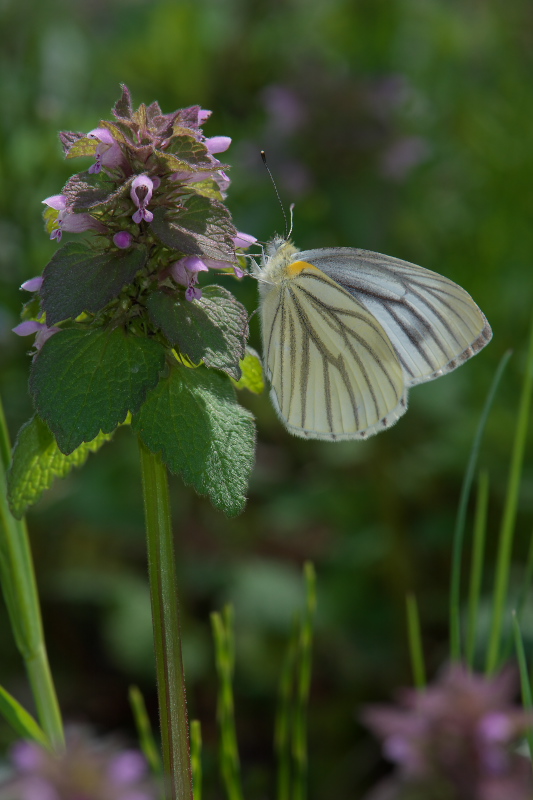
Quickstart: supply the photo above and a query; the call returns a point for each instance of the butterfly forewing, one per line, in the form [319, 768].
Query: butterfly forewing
[433, 324]
[333, 370]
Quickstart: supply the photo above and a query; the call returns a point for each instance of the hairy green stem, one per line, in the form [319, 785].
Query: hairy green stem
[19, 587]
[167, 636]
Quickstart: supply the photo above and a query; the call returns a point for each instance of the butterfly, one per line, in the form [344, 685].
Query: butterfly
[347, 332]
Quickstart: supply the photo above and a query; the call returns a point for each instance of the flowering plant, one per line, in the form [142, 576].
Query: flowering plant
[125, 335]
[120, 318]
[455, 739]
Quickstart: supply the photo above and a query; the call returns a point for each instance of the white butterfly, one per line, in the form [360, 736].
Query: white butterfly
[346, 332]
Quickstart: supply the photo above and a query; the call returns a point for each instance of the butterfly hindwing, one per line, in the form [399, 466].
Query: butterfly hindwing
[433, 324]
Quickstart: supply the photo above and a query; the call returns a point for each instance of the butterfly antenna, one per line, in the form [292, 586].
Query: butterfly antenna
[291, 211]
[287, 233]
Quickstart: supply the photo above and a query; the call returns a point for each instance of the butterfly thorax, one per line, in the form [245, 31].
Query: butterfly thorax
[279, 253]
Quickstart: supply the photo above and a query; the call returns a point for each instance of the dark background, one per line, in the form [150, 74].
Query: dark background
[402, 126]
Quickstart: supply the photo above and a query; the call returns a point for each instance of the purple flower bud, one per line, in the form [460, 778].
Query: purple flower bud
[141, 194]
[33, 285]
[108, 152]
[122, 239]
[57, 201]
[244, 240]
[217, 144]
[239, 273]
[203, 115]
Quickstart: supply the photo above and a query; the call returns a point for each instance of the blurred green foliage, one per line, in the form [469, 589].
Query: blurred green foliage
[402, 126]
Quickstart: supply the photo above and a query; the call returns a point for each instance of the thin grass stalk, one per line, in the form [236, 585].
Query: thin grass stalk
[144, 731]
[524, 677]
[303, 683]
[503, 561]
[19, 587]
[476, 567]
[458, 538]
[222, 625]
[283, 725]
[415, 642]
[521, 600]
[196, 758]
[166, 627]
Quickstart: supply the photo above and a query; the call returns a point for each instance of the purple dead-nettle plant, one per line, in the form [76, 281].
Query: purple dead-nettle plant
[88, 768]
[124, 333]
[455, 740]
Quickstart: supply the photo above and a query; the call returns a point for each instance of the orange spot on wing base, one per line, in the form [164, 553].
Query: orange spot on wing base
[296, 267]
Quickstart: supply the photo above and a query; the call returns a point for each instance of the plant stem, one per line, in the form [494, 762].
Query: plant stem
[167, 636]
[19, 586]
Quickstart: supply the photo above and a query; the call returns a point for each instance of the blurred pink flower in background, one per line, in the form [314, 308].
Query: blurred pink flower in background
[456, 740]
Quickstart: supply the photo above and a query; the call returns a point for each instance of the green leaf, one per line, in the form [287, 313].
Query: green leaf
[85, 192]
[77, 279]
[188, 149]
[85, 146]
[193, 419]
[123, 107]
[207, 188]
[37, 462]
[19, 719]
[84, 382]
[202, 227]
[213, 330]
[252, 377]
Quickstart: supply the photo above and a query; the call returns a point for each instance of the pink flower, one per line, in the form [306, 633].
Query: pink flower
[217, 144]
[141, 194]
[40, 328]
[459, 733]
[108, 152]
[185, 271]
[89, 769]
[68, 221]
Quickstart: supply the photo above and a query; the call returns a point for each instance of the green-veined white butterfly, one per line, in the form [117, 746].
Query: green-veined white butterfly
[346, 332]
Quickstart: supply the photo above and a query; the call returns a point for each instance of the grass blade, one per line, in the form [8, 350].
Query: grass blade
[144, 730]
[283, 727]
[196, 758]
[303, 683]
[455, 588]
[20, 720]
[524, 677]
[476, 569]
[415, 642]
[503, 561]
[222, 625]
